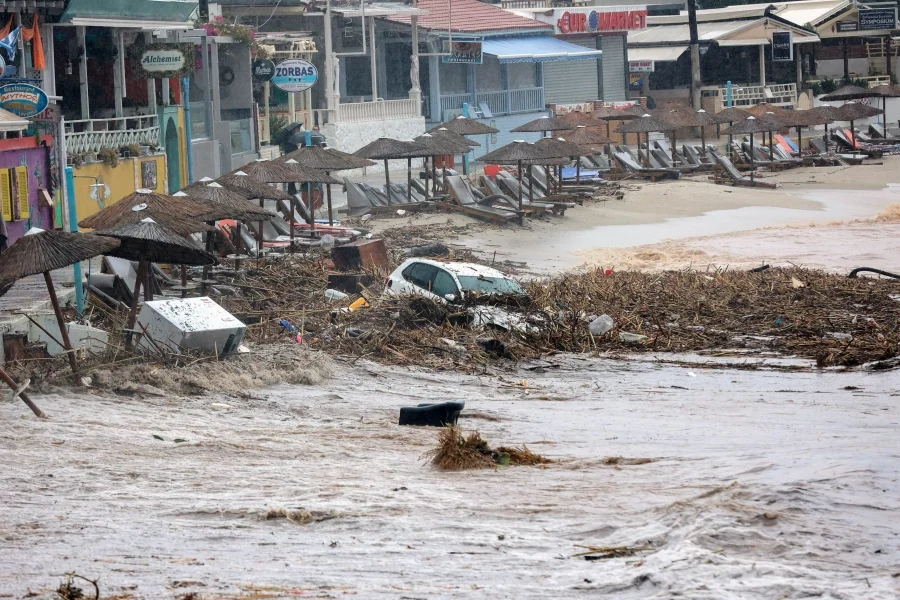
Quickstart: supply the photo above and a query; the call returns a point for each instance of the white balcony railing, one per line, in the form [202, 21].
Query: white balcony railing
[750, 95]
[92, 135]
[379, 110]
[504, 102]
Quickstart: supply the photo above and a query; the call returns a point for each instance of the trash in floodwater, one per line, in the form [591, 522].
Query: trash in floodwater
[456, 452]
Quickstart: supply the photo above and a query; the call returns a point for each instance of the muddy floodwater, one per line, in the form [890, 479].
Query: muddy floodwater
[721, 482]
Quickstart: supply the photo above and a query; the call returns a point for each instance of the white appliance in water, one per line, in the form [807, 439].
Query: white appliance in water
[189, 324]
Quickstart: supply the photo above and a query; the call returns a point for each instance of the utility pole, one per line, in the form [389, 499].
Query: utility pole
[695, 54]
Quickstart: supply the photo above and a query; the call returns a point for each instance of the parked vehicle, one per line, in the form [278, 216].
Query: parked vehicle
[453, 282]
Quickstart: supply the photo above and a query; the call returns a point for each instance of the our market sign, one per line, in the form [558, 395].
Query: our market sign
[463, 52]
[23, 99]
[590, 20]
[295, 75]
[163, 61]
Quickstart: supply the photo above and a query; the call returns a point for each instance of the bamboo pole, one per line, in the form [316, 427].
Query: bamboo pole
[132, 312]
[20, 392]
[64, 332]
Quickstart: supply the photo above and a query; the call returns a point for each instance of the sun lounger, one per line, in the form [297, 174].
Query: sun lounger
[663, 146]
[557, 203]
[666, 163]
[846, 140]
[731, 176]
[464, 202]
[697, 160]
[631, 166]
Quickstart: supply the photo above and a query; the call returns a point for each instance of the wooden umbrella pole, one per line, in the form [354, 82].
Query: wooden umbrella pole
[387, 179]
[521, 212]
[328, 198]
[771, 154]
[67, 344]
[751, 157]
[409, 180]
[206, 268]
[826, 138]
[148, 293]
[530, 184]
[311, 207]
[703, 139]
[184, 281]
[647, 153]
[132, 312]
[293, 221]
[444, 173]
[800, 141]
[262, 243]
[577, 170]
[15, 388]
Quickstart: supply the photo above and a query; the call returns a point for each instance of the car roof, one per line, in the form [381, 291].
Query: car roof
[463, 269]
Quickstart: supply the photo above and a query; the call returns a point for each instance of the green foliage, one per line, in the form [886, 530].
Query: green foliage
[276, 124]
[109, 156]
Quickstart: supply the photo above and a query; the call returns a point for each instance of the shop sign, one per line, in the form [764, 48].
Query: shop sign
[877, 18]
[640, 66]
[263, 69]
[23, 99]
[162, 61]
[847, 26]
[463, 52]
[593, 21]
[782, 46]
[295, 75]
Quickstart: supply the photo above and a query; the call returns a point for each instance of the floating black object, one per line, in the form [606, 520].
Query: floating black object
[431, 415]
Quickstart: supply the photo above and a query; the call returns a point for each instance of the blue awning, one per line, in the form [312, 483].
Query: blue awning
[536, 49]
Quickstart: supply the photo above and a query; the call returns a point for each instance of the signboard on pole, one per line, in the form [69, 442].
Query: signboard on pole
[847, 26]
[640, 66]
[462, 52]
[871, 19]
[782, 46]
[295, 75]
[263, 69]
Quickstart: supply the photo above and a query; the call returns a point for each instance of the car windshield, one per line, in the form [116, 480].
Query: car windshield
[490, 285]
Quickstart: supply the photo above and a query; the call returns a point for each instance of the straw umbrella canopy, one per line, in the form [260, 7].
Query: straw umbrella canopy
[764, 108]
[147, 242]
[701, 119]
[443, 131]
[517, 152]
[646, 124]
[801, 119]
[609, 114]
[40, 251]
[357, 162]
[465, 126]
[752, 125]
[433, 145]
[247, 186]
[178, 213]
[589, 140]
[312, 176]
[236, 205]
[850, 92]
[731, 115]
[320, 159]
[273, 171]
[886, 91]
[853, 111]
[386, 149]
[544, 124]
[576, 117]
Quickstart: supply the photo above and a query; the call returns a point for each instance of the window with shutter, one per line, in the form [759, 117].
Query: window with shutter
[6, 194]
[22, 189]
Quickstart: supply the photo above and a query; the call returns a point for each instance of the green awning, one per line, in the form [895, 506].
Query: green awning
[128, 13]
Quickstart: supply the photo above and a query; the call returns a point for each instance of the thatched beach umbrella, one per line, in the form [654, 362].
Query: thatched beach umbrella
[312, 176]
[731, 116]
[753, 125]
[701, 119]
[433, 145]
[822, 115]
[543, 124]
[849, 92]
[646, 124]
[147, 242]
[556, 147]
[465, 126]
[585, 137]
[324, 161]
[885, 91]
[247, 186]
[178, 213]
[387, 149]
[853, 111]
[801, 119]
[517, 152]
[576, 117]
[40, 251]
[610, 114]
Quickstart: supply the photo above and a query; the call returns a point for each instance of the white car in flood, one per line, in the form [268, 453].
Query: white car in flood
[449, 282]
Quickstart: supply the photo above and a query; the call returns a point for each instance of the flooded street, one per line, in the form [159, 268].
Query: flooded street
[724, 483]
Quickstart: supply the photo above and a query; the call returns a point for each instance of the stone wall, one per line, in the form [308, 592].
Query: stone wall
[350, 137]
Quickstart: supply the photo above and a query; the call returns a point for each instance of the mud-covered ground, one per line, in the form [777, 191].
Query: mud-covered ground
[731, 484]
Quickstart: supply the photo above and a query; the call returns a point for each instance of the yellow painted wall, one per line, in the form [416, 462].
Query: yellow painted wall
[121, 181]
[184, 140]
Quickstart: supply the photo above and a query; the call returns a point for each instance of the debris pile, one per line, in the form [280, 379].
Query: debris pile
[457, 452]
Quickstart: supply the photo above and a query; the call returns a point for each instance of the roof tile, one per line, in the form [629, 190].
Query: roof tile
[471, 16]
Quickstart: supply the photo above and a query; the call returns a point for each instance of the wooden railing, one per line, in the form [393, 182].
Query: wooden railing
[377, 111]
[92, 135]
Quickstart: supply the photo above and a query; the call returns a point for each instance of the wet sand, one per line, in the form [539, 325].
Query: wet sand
[733, 484]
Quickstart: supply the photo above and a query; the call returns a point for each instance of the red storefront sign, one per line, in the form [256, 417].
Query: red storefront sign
[594, 21]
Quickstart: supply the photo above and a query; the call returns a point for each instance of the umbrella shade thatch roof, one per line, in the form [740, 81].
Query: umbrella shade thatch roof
[675, 113]
[646, 124]
[358, 162]
[309, 175]
[436, 145]
[250, 188]
[821, 115]
[543, 124]
[731, 115]
[271, 171]
[585, 136]
[886, 91]
[178, 213]
[764, 109]
[559, 147]
[700, 118]
[153, 242]
[576, 117]
[319, 158]
[753, 125]
[443, 131]
[849, 92]
[387, 148]
[38, 251]
[853, 111]
[609, 113]
[234, 204]
[465, 126]
[516, 151]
